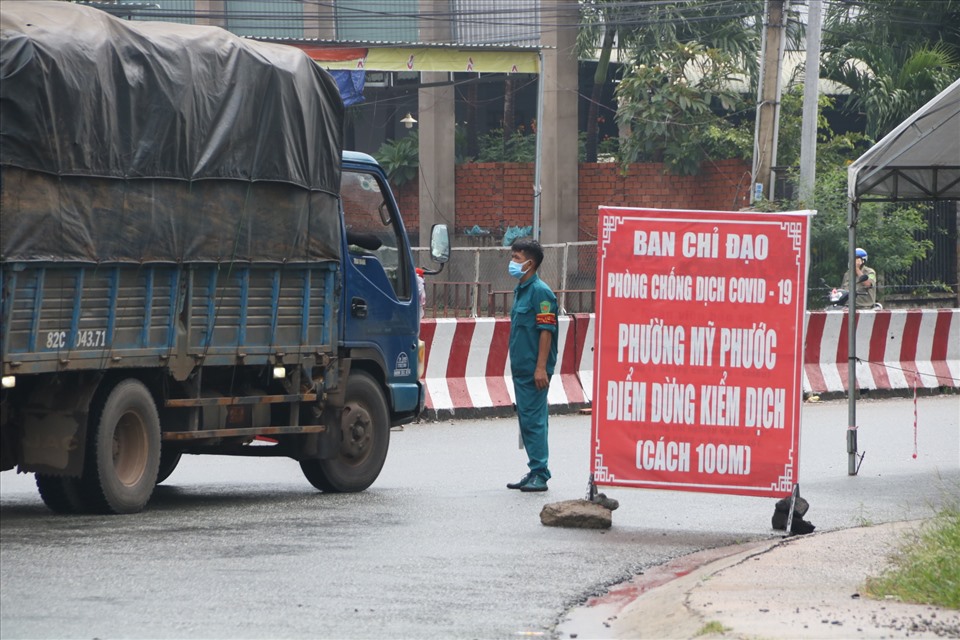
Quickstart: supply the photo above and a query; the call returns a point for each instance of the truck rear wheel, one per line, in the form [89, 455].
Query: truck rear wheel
[123, 454]
[61, 495]
[365, 424]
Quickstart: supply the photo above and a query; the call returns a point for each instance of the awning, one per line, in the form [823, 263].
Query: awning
[423, 59]
[919, 160]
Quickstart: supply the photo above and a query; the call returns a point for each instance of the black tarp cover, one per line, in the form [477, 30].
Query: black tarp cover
[148, 141]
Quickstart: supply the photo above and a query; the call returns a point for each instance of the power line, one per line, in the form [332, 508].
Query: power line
[627, 14]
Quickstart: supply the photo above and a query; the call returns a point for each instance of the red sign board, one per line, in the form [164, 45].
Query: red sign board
[699, 350]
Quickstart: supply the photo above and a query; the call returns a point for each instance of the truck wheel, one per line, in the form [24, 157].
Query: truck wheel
[366, 436]
[123, 454]
[169, 459]
[61, 495]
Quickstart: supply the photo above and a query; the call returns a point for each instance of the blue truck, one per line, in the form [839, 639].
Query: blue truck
[190, 263]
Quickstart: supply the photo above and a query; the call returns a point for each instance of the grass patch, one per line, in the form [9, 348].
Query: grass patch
[861, 519]
[712, 627]
[928, 571]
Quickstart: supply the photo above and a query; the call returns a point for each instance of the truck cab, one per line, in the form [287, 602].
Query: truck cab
[381, 309]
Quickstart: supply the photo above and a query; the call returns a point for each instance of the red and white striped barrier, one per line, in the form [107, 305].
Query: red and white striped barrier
[468, 365]
[468, 368]
[895, 350]
[586, 326]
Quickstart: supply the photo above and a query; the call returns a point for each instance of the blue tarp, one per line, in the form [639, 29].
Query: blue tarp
[515, 233]
[350, 84]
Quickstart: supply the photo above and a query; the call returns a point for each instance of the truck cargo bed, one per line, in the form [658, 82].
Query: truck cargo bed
[59, 317]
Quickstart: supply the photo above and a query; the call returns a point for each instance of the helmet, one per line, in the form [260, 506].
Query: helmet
[861, 254]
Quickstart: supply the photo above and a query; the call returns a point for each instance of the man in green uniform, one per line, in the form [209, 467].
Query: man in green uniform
[533, 356]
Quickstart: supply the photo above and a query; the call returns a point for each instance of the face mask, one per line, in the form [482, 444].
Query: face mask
[516, 269]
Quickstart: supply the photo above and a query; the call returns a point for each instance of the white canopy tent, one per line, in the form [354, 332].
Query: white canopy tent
[918, 160]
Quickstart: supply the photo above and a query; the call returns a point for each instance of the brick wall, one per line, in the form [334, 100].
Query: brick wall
[722, 185]
[498, 195]
[408, 199]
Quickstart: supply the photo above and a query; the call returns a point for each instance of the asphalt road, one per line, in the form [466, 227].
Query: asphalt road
[437, 548]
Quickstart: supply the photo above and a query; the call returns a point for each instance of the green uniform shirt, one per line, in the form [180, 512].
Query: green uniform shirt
[534, 309]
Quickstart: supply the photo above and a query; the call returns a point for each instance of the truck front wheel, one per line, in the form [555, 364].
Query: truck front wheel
[123, 454]
[365, 426]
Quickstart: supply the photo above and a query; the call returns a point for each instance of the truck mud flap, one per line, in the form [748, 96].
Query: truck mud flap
[53, 427]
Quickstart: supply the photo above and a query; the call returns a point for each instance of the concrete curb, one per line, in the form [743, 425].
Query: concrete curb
[798, 587]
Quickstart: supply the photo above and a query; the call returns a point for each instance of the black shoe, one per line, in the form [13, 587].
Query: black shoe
[535, 483]
[519, 483]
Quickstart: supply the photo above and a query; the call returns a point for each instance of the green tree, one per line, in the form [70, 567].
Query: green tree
[894, 56]
[888, 231]
[887, 85]
[892, 24]
[400, 158]
[517, 147]
[671, 103]
[832, 149]
[733, 28]
[646, 32]
[599, 19]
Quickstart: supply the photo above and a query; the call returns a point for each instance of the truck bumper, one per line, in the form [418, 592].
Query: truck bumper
[408, 397]
[406, 412]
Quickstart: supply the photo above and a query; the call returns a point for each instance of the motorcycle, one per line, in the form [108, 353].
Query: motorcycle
[837, 299]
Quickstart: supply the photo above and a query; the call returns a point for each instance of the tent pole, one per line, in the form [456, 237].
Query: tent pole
[537, 190]
[853, 212]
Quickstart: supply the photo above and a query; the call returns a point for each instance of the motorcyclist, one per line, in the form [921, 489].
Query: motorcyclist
[866, 282]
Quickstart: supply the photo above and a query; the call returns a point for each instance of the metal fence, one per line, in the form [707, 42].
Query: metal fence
[941, 231]
[475, 282]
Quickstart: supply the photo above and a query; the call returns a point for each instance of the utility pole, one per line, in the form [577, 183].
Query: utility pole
[211, 12]
[437, 123]
[811, 97]
[556, 190]
[768, 99]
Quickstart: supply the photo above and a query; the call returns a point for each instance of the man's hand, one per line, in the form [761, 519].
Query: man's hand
[540, 378]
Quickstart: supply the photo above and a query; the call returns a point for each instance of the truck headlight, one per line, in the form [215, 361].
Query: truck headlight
[8, 382]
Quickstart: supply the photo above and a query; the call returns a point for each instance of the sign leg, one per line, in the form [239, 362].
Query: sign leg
[793, 501]
[591, 488]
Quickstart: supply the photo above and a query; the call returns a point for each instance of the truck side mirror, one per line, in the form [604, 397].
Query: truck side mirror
[439, 243]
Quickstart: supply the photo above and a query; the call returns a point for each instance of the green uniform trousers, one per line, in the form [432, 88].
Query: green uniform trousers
[532, 414]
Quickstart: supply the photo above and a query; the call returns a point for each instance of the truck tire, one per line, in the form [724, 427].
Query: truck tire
[61, 495]
[366, 437]
[123, 453]
[169, 459]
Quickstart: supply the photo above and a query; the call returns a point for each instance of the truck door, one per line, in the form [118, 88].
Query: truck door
[380, 302]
